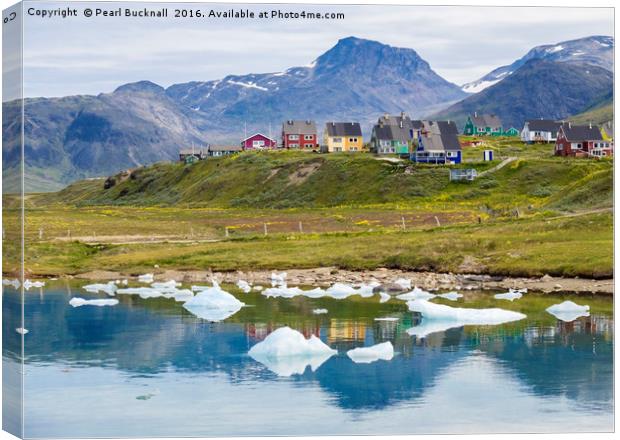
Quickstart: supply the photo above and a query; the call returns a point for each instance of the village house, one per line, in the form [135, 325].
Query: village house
[191, 155]
[394, 134]
[258, 141]
[223, 150]
[581, 141]
[299, 134]
[607, 131]
[437, 143]
[540, 130]
[512, 131]
[343, 136]
[483, 125]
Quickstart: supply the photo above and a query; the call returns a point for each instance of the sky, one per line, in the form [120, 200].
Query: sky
[79, 55]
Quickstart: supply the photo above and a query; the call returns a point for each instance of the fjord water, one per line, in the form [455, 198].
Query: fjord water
[148, 367]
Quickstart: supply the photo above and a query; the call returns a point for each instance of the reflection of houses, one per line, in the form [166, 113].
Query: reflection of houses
[437, 143]
[394, 134]
[299, 134]
[343, 136]
[346, 330]
[540, 130]
[260, 330]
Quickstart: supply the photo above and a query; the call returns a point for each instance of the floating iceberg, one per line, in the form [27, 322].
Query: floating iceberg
[320, 311]
[387, 318]
[143, 292]
[258, 288]
[314, 293]
[109, 288]
[180, 295]
[384, 297]
[366, 355]
[28, 284]
[213, 304]
[404, 283]
[21, 331]
[167, 286]
[287, 352]
[568, 311]
[511, 295]
[282, 291]
[78, 302]
[452, 296]
[146, 278]
[278, 278]
[416, 293]
[14, 283]
[244, 286]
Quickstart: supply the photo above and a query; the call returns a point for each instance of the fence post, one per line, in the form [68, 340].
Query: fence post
[226, 229]
[40, 233]
[301, 228]
[437, 220]
[403, 220]
[265, 228]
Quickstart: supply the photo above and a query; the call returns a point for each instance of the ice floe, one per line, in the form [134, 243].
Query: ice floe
[366, 355]
[258, 288]
[143, 292]
[168, 286]
[278, 278]
[146, 278]
[387, 318]
[511, 295]
[244, 286]
[28, 284]
[568, 311]
[320, 311]
[451, 296]
[439, 317]
[282, 291]
[213, 304]
[404, 283]
[21, 331]
[78, 302]
[14, 283]
[286, 352]
[108, 288]
[416, 293]
[180, 295]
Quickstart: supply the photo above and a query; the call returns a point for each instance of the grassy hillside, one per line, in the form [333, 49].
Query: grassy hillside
[599, 115]
[302, 180]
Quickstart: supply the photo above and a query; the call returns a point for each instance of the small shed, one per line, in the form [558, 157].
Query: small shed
[488, 155]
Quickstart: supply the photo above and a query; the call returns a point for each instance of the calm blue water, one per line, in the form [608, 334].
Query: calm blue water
[150, 368]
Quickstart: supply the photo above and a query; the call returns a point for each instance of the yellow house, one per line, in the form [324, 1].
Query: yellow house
[343, 136]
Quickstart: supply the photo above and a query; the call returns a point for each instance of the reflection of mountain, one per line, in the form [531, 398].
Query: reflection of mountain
[155, 335]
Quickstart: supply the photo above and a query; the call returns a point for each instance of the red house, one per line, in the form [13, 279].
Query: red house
[581, 141]
[258, 141]
[299, 134]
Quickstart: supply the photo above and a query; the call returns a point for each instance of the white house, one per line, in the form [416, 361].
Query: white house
[540, 130]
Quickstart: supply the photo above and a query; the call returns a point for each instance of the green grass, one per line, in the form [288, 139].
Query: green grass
[565, 246]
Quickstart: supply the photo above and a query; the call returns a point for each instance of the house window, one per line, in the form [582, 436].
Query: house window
[337, 149]
[293, 137]
[452, 154]
[352, 139]
[256, 144]
[308, 137]
[337, 140]
[294, 145]
[308, 145]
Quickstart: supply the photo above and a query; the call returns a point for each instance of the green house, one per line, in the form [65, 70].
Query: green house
[483, 125]
[512, 132]
[394, 134]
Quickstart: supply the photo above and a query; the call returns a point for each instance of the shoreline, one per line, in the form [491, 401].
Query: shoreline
[325, 276]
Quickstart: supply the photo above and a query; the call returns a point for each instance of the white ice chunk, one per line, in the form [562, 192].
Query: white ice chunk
[14, 283]
[387, 318]
[258, 288]
[180, 295]
[314, 293]
[568, 311]
[319, 311]
[427, 327]
[511, 295]
[21, 331]
[287, 352]
[143, 292]
[244, 286]
[78, 302]
[282, 292]
[278, 277]
[403, 282]
[109, 288]
[146, 278]
[168, 286]
[440, 312]
[28, 284]
[416, 293]
[124, 282]
[213, 304]
[384, 297]
[452, 296]
[366, 355]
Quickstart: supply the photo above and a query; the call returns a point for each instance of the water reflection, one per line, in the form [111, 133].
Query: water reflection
[154, 348]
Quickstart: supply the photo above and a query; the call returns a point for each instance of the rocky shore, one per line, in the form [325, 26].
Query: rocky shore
[326, 276]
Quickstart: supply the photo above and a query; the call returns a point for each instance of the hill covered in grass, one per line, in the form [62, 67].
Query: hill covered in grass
[303, 180]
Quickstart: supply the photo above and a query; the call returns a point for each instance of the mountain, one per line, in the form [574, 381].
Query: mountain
[598, 113]
[538, 89]
[141, 123]
[355, 80]
[595, 50]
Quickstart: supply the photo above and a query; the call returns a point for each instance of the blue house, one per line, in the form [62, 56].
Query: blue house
[437, 143]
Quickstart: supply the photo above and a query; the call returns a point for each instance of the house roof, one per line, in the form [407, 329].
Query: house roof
[343, 129]
[396, 120]
[487, 120]
[298, 127]
[544, 125]
[193, 151]
[225, 148]
[392, 132]
[258, 134]
[574, 132]
[440, 135]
